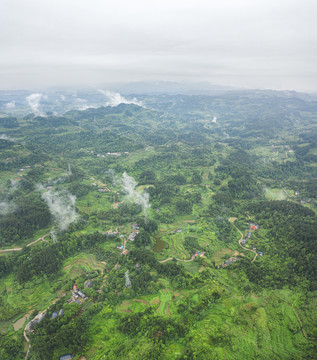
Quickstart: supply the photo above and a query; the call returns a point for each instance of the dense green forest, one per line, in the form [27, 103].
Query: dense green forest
[184, 229]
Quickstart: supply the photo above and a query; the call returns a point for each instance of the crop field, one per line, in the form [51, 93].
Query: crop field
[18, 302]
[219, 256]
[81, 264]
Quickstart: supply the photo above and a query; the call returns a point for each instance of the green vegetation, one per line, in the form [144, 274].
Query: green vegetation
[169, 201]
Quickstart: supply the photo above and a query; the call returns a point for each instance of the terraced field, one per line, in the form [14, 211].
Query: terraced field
[81, 264]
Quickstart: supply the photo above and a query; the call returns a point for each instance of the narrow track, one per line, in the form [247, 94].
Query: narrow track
[30, 244]
[240, 241]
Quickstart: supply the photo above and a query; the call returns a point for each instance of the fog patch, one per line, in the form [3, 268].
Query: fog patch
[62, 207]
[34, 101]
[10, 105]
[114, 99]
[6, 207]
[5, 137]
[138, 197]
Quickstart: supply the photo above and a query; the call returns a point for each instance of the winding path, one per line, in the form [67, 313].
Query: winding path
[240, 241]
[163, 261]
[30, 244]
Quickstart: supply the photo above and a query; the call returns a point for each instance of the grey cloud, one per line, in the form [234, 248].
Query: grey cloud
[243, 43]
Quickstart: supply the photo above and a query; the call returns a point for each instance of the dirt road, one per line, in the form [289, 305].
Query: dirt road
[30, 244]
[240, 241]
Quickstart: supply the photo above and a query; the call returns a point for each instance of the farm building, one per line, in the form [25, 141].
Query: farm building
[66, 357]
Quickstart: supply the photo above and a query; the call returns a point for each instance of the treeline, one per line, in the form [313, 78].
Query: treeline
[66, 333]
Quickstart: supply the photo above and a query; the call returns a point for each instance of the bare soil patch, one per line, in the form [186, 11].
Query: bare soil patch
[141, 301]
[168, 310]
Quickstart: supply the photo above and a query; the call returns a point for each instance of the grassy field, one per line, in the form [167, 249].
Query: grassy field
[275, 194]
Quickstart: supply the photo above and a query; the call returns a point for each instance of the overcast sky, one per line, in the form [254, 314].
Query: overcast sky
[244, 43]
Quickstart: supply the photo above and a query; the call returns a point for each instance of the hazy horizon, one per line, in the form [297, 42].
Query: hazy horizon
[76, 44]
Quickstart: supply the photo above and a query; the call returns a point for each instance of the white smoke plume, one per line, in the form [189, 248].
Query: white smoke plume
[114, 99]
[6, 207]
[5, 137]
[10, 105]
[214, 120]
[62, 206]
[34, 101]
[137, 197]
[53, 236]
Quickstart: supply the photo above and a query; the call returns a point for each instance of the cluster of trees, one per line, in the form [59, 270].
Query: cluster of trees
[292, 245]
[66, 333]
[153, 326]
[29, 213]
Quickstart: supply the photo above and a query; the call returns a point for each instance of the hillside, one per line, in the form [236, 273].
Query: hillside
[188, 224]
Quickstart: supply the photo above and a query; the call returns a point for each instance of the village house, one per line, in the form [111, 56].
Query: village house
[38, 318]
[54, 315]
[132, 235]
[66, 357]
[135, 227]
[229, 261]
[78, 296]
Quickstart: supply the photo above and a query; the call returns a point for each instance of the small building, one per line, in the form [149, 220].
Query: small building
[88, 284]
[81, 294]
[54, 315]
[125, 252]
[135, 227]
[249, 234]
[66, 357]
[137, 266]
[61, 312]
